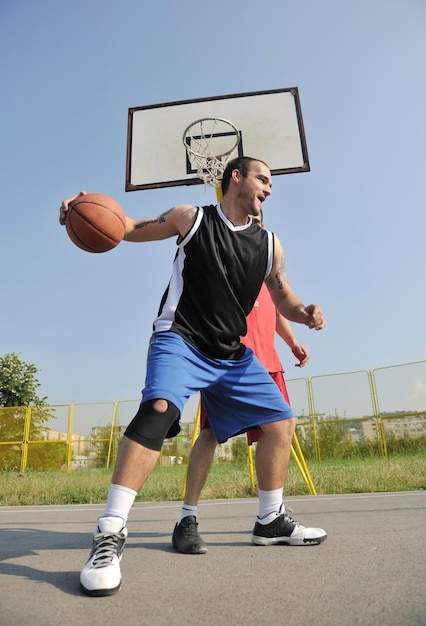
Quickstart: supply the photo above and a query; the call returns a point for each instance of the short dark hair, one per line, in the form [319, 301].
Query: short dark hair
[242, 164]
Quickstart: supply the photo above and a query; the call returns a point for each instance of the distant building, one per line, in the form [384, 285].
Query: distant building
[80, 444]
[223, 451]
[83, 462]
[400, 425]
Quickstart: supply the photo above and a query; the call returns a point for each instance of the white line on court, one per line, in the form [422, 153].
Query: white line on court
[178, 504]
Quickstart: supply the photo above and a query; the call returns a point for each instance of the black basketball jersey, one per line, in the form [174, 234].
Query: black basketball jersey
[217, 274]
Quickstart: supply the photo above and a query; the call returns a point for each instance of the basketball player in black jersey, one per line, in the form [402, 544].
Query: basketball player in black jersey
[221, 262]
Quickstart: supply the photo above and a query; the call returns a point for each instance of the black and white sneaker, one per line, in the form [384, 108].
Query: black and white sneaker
[186, 538]
[101, 575]
[284, 529]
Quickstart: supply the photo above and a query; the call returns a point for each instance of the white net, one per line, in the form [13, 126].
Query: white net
[210, 143]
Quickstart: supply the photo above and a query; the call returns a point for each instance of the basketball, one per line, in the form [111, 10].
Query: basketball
[95, 222]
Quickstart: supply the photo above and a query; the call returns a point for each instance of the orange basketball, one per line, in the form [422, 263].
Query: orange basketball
[95, 222]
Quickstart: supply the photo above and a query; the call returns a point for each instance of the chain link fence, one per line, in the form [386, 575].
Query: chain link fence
[362, 413]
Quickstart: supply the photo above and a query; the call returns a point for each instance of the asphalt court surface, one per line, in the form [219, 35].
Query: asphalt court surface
[371, 570]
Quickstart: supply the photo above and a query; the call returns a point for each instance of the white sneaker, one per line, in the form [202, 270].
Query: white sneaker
[101, 575]
[284, 529]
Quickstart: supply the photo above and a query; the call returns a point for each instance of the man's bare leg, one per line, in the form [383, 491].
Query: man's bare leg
[185, 535]
[273, 453]
[134, 464]
[199, 464]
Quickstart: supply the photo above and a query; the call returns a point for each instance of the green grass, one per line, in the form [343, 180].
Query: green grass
[226, 480]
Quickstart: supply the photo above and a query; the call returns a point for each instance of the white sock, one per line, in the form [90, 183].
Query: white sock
[187, 510]
[119, 502]
[270, 502]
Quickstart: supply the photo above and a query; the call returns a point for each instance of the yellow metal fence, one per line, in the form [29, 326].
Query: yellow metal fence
[367, 410]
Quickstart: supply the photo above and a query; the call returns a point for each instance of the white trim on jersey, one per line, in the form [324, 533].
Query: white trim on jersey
[270, 252]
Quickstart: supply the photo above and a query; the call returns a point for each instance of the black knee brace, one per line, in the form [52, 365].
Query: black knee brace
[150, 427]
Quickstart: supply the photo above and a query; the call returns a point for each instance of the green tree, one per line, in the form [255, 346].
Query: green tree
[333, 437]
[18, 390]
[103, 437]
[336, 441]
[239, 450]
[18, 383]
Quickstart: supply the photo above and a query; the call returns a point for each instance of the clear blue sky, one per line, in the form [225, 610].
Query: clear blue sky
[353, 228]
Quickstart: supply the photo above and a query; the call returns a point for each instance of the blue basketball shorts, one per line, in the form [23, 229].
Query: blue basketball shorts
[237, 394]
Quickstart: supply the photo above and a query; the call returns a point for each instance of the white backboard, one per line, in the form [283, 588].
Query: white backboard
[270, 124]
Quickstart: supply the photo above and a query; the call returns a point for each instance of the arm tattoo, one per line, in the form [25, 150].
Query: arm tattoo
[281, 278]
[157, 220]
[278, 280]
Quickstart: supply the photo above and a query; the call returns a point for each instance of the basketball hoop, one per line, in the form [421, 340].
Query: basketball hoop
[209, 143]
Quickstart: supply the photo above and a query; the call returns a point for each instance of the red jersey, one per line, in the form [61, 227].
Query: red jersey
[260, 337]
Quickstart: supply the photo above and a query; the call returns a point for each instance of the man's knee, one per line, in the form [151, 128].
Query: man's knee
[154, 420]
[160, 405]
[280, 429]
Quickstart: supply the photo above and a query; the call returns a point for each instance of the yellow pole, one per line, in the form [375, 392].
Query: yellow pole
[304, 468]
[193, 440]
[111, 434]
[25, 439]
[251, 466]
[312, 414]
[69, 436]
[380, 431]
